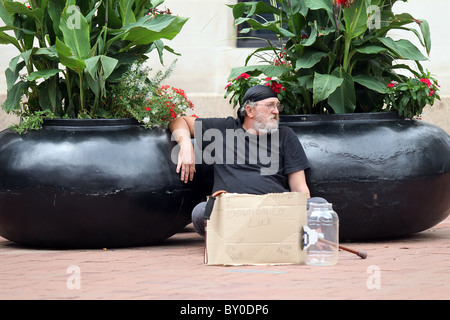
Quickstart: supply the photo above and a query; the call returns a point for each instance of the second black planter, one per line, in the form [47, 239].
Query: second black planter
[386, 176]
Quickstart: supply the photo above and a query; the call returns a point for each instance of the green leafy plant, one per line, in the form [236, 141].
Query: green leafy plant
[72, 51]
[334, 56]
[410, 97]
[31, 121]
[146, 99]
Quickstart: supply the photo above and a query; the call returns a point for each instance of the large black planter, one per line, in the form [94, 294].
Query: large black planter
[110, 183]
[90, 184]
[386, 176]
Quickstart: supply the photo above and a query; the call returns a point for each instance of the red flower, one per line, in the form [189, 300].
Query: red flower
[344, 3]
[243, 75]
[426, 81]
[173, 114]
[276, 87]
[147, 109]
[392, 84]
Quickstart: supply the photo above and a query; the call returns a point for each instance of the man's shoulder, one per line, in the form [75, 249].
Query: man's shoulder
[228, 122]
[224, 119]
[286, 131]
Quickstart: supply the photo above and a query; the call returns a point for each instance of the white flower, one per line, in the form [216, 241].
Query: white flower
[146, 120]
[149, 96]
[139, 84]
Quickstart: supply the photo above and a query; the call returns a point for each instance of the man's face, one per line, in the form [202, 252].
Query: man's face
[266, 118]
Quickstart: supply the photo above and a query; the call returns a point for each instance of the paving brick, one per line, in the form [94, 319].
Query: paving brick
[413, 267]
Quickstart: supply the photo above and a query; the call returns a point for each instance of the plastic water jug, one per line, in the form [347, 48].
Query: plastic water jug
[321, 235]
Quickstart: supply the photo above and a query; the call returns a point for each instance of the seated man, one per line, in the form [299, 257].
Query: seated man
[250, 154]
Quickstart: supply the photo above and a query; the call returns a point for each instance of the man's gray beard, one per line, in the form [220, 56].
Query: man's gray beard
[265, 126]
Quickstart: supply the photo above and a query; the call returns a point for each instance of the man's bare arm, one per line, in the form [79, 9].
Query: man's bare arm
[297, 182]
[183, 130]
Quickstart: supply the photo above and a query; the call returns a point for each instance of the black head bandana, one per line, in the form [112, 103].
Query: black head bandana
[258, 93]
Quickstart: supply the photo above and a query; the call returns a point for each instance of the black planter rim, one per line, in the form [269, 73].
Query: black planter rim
[89, 123]
[372, 116]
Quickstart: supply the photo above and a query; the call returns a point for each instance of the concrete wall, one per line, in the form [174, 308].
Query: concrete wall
[208, 53]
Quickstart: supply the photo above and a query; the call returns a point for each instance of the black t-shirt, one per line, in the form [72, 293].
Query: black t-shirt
[247, 163]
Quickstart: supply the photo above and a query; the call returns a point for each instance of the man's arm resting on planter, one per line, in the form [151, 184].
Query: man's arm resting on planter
[297, 182]
[182, 131]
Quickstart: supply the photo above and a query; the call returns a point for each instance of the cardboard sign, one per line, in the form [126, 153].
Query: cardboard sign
[249, 229]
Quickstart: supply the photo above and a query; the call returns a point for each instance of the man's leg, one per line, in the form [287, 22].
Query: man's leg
[198, 218]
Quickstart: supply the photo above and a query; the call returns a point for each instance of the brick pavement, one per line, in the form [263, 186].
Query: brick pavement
[414, 267]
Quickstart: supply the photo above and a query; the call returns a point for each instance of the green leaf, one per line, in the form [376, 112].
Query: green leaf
[16, 7]
[296, 7]
[371, 83]
[55, 9]
[268, 70]
[403, 49]
[309, 59]
[93, 12]
[425, 28]
[126, 12]
[100, 65]
[253, 8]
[50, 97]
[371, 49]
[311, 37]
[6, 17]
[46, 73]
[12, 73]
[67, 58]
[50, 53]
[407, 67]
[271, 26]
[75, 30]
[355, 18]
[324, 85]
[7, 39]
[156, 3]
[148, 29]
[14, 97]
[320, 4]
[98, 69]
[343, 99]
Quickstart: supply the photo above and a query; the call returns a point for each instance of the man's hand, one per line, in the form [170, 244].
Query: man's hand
[186, 162]
[182, 131]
